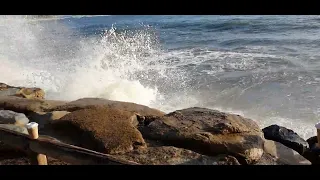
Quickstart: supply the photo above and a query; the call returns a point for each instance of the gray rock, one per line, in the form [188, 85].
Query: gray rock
[11, 117]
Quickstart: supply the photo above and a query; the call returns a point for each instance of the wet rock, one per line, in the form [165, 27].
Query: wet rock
[208, 132]
[11, 117]
[169, 155]
[286, 137]
[101, 129]
[284, 155]
[126, 106]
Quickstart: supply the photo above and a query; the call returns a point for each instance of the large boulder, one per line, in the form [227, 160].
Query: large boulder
[24, 92]
[284, 155]
[169, 155]
[101, 129]
[286, 137]
[208, 132]
[27, 106]
[126, 106]
[11, 117]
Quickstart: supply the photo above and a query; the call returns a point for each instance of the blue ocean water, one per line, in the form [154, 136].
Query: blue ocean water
[263, 67]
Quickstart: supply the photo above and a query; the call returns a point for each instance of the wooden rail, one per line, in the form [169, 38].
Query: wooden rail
[51, 147]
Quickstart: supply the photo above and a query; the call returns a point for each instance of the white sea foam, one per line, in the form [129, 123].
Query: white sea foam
[102, 67]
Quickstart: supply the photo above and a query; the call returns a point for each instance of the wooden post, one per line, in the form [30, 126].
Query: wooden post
[39, 159]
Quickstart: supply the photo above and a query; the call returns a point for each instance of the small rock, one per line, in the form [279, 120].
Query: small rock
[286, 137]
[10, 117]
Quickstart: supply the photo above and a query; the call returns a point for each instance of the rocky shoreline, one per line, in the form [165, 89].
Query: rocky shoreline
[129, 131]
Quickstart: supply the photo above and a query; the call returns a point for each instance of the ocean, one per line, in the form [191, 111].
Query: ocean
[266, 68]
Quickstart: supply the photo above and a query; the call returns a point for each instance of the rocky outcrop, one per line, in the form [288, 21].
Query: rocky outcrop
[169, 155]
[281, 154]
[24, 92]
[137, 133]
[101, 129]
[10, 117]
[207, 132]
[125, 106]
[286, 137]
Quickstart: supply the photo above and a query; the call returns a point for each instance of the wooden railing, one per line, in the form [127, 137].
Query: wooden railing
[39, 147]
